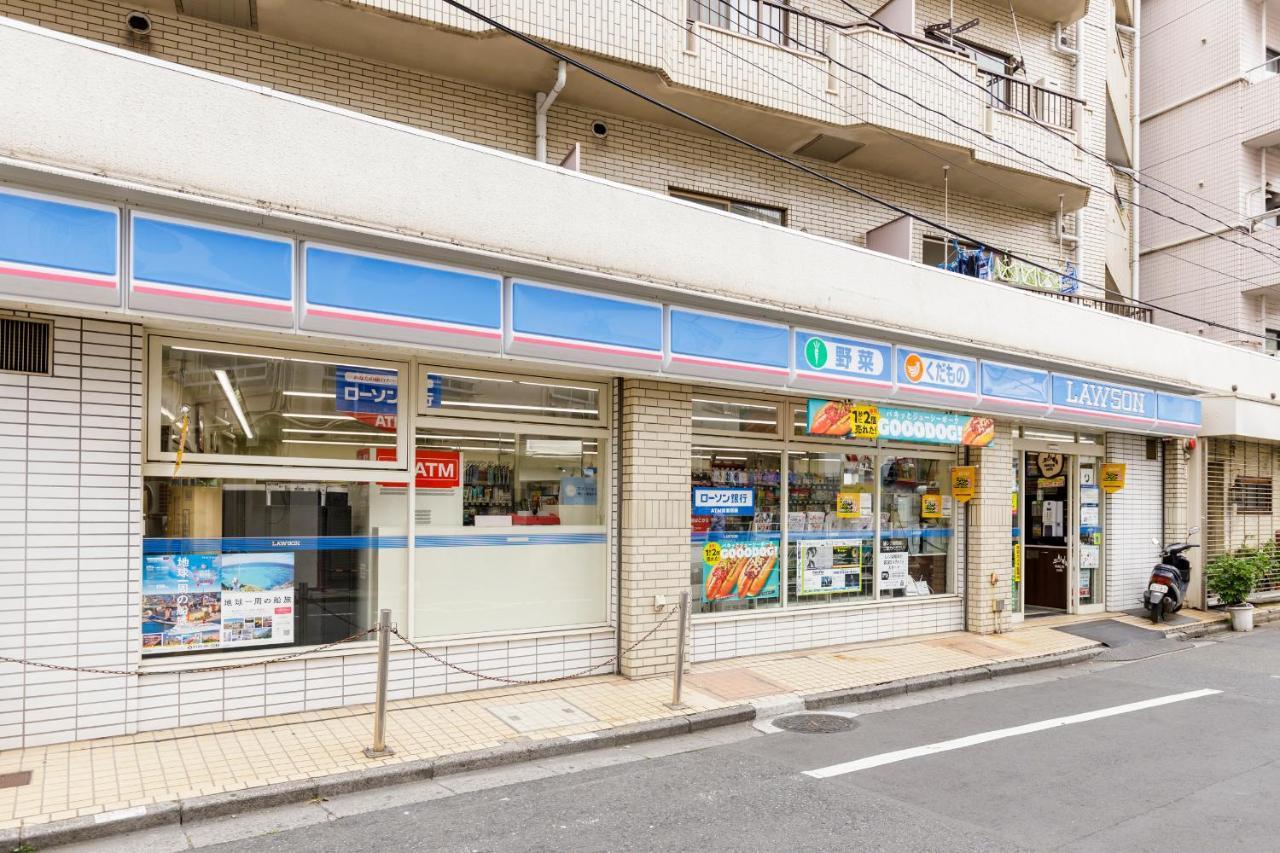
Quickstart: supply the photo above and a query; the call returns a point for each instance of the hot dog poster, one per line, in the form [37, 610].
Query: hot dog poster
[735, 569]
[833, 418]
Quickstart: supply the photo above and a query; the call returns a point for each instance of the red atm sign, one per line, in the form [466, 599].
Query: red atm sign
[438, 469]
[434, 469]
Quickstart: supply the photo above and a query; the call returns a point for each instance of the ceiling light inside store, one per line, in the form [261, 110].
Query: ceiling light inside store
[333, 443]
[472, 378]
[738, 405]
[336, 432]
[516, 406]
[225, 382]
[1048, 436]
[734, 420]
[321, 394]
[421, 436]
[317, 417]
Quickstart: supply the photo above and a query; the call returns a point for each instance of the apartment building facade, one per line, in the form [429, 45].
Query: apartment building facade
[321, 336]
[1210, 142]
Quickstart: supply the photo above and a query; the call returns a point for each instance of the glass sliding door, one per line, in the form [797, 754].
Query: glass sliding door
[1089, 560]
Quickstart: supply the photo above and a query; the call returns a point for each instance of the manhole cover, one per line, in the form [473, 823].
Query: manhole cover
[815, 724]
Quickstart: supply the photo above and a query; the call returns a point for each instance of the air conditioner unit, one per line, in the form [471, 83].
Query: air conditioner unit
[1043, 102]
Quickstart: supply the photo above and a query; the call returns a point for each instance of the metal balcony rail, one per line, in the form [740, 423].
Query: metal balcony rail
[1266, 219]
[1118, 307]
[772, 22]
[1019, 96]
[1265, 71]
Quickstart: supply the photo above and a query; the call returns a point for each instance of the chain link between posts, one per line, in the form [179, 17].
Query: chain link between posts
[504, 680]
[363, 632]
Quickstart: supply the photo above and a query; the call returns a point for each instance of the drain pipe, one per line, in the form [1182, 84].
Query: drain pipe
[1135, 243]
[544, 100]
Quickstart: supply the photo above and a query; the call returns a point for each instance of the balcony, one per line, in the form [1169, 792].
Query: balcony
[1119, 103]
[1261, 104]
[777, 76]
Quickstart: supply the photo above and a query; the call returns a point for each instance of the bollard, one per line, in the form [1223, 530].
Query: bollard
[682, 630]
[380, 748]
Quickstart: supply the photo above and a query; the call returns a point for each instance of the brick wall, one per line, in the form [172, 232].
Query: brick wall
[70, 487]
[656, 157]
[656, 430]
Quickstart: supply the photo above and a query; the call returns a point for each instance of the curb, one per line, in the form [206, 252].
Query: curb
[1261, 616]
[286, 793]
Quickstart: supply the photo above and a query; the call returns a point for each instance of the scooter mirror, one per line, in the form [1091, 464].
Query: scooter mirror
[1155, 541]
[1193, 531]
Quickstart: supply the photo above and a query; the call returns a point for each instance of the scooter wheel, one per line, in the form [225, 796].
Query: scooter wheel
[1157, 610]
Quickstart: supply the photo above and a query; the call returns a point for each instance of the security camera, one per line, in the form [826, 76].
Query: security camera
[139, 23]
[600, 129]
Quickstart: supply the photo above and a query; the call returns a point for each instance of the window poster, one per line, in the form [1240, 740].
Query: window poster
[831, 565]
[893, 564]
[197, 602]
[739, 567]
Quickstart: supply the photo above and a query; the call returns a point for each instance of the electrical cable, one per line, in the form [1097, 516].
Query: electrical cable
[759, 149]
[1134, 175]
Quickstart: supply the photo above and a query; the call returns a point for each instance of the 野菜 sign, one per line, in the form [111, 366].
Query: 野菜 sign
[713, 501]
[829, 360]
[835, 418]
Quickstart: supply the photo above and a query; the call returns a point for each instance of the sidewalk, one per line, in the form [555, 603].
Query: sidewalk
[127, 782]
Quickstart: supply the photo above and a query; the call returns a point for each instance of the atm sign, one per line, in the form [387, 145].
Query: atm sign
[438, 469]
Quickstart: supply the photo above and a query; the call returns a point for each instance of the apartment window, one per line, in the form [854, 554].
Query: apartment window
[1273, 341]
[1253, 495]
[1273, 60]
[751, 210]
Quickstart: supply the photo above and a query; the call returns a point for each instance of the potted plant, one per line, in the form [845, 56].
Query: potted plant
[1232, 577]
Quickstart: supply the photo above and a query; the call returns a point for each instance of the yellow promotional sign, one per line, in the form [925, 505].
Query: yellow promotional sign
[848, 505]
[931, 506]
[1112, 477]
[1052, 482]
[964, 482]
[1017, 564]
[864, 422]
[711, 553]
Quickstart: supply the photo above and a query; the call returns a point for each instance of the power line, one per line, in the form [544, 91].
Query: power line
[1133, 173]
[1191, 11]
[708, 126]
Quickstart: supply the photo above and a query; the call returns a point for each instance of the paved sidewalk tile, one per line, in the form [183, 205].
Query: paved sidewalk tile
[113, 774]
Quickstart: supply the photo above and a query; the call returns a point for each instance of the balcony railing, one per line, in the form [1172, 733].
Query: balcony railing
[1019, 96]
[1265, 71]
[1111, 306]
[768, 21]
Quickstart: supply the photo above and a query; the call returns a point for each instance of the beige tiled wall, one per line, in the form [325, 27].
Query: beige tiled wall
[990, 536]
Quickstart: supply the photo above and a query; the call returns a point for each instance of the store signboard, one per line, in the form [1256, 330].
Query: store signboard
[210, 272]
[194, 602]
[1013, 389]
[576, 325]
[716, 346]
[370, 295]
[934, 376]
[61, 250]
[714, 501]
[367, 390]
[1112, 476]
[832, 363]
[738, 566]
[1102, 402]
[1177, 414]
[437, 469]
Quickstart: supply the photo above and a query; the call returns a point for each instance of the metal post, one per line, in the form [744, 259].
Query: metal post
[380, 748]
[682, 630]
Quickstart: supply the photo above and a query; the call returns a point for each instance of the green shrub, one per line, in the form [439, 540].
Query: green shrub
[1232, 577]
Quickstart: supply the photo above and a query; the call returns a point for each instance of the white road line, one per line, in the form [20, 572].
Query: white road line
[986, 737]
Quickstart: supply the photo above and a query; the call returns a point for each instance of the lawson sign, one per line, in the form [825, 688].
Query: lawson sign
[711, 501]
[1102, 402]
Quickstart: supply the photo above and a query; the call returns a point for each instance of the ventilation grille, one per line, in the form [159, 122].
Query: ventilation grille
[24, 346]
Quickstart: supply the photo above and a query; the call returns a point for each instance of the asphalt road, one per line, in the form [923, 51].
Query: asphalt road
[1198, 773]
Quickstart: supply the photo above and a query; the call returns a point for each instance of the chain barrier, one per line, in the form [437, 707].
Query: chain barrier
[310, 650]
[503, 679]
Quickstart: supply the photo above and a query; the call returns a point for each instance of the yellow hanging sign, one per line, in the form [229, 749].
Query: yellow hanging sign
[848, 505]
[1112, 474]
[182, 444]
[1017, 564]
[711, 554]
[931, 506]
[964, 482]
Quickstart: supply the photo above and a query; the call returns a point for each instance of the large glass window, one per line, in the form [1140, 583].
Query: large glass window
[223, 403]
[831, 526]
[510, 530]
[469, 394]
[233, 564]
[916, 524]
[710, 415]
[735, 532]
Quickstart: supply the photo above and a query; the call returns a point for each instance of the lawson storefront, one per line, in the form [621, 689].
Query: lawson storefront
[325, 428]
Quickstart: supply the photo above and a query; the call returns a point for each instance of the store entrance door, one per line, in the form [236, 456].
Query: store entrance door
[1048, 521]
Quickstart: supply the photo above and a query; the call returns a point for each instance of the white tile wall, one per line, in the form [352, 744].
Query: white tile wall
[783, 631]
[1133, 515]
